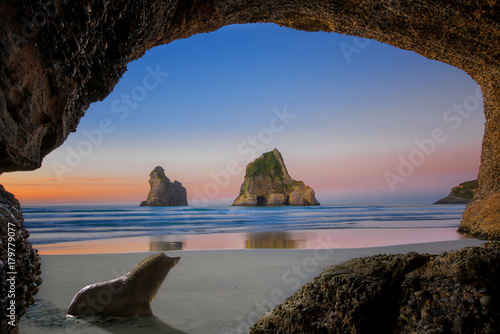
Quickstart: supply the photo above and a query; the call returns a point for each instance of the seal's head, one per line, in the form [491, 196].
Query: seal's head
[151, 272]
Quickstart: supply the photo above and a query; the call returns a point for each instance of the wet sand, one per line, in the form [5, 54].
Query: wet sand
[303, 239]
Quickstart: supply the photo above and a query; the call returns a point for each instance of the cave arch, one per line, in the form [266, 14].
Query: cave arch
[58, 58]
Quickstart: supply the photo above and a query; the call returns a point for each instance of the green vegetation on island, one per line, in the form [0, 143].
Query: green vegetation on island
[266, 163]
[461, 194]
[466, 189]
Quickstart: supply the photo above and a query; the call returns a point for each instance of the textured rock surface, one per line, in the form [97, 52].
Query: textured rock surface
[482, 218]
[455, 292]
[461, 194]
[26, 262]
[163, 192]
[57, 57]
[267, 183]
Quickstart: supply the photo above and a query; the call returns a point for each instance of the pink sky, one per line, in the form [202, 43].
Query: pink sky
[334, 179]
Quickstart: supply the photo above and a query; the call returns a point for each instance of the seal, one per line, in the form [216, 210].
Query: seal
[126, 296]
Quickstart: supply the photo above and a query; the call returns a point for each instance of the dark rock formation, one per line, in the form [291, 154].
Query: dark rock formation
[163, 192]
[19, 287]
[455, 292]
[461, 194]
[267, 183]
[57, 57]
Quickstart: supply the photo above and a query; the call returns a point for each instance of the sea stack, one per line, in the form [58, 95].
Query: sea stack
[163, 192]
[267, 183]
[461, 194]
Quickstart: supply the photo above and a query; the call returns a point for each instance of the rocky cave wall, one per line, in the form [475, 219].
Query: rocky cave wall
[59, 56]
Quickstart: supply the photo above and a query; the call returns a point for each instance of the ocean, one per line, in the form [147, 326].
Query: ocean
[63, 224]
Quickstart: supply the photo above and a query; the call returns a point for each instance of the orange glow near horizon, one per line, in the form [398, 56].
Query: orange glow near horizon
[75, 190]
[364, 173]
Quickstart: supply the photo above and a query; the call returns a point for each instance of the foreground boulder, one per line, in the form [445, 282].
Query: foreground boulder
[267, 183]
[461, 194]
[455, 292]
[163, 192]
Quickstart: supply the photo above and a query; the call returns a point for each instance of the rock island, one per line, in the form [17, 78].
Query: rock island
[461, 194]
[267, 183]
[163, 192]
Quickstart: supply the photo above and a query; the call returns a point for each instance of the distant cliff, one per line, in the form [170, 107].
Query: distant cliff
[267, 183]
[163, 192]
[461, 194]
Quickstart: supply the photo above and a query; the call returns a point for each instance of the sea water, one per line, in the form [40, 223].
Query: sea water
[62, 224]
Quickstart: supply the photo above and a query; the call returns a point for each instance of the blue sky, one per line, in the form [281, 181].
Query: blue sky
[353, 117]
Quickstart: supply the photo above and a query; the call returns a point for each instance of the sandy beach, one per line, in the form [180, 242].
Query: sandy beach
[214, 291]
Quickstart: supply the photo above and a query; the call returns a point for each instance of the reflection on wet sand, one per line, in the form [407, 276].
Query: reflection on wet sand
[308, 239]
[259, 240]
[163, 243]
[163, 246]
[273, 240]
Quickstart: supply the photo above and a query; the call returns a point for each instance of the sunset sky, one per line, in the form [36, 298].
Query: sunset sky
[357, 120]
